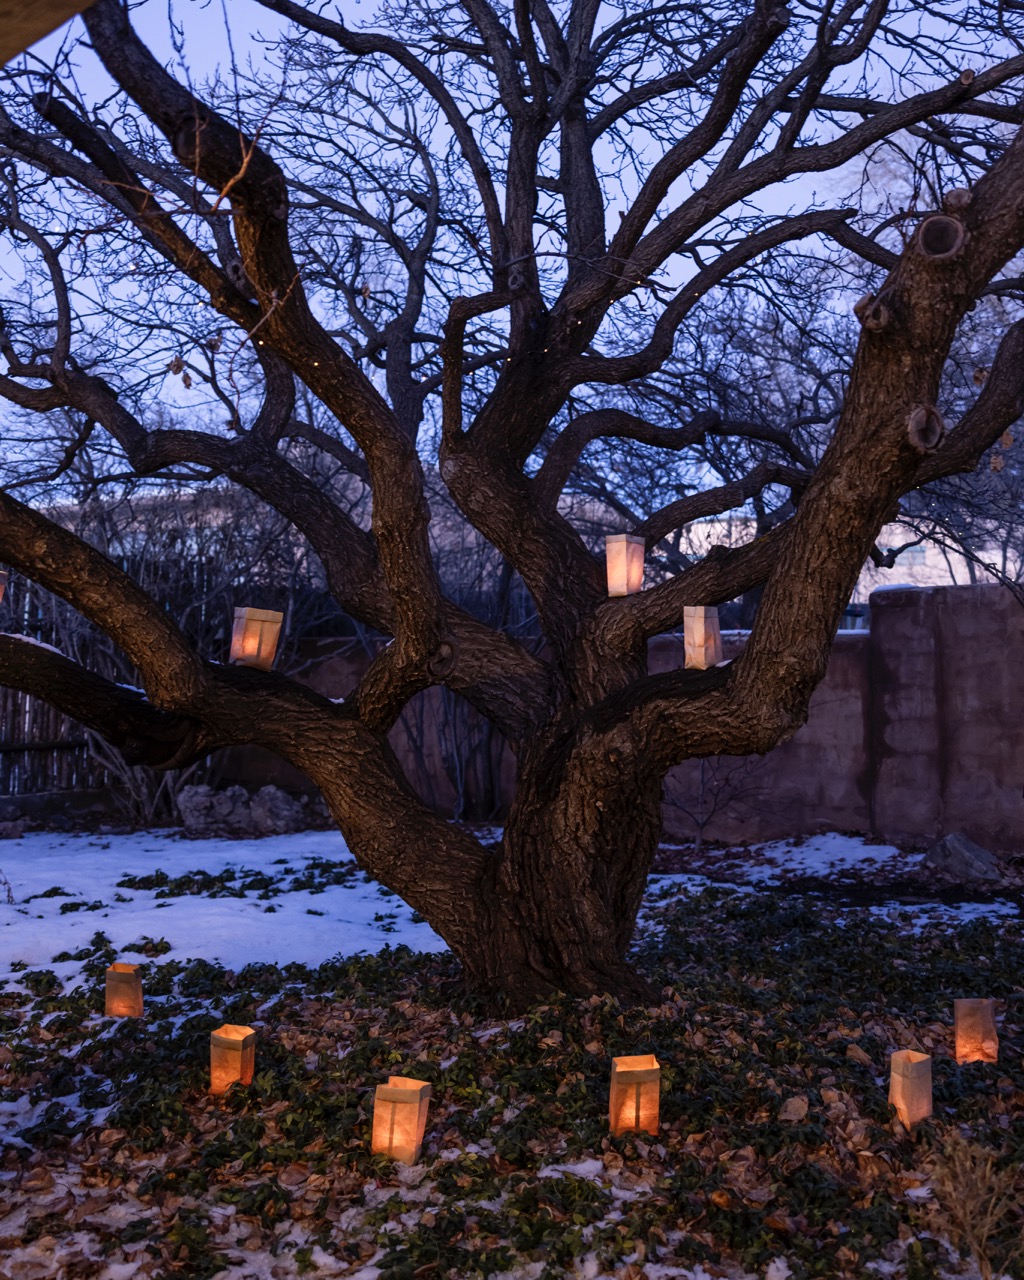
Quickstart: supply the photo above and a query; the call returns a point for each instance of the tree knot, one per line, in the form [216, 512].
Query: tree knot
[442, 661]
[872, 313]
[940, 237]
[925, 428]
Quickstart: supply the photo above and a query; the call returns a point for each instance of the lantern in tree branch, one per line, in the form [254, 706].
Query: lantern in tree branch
[232, 1057]
[3, 584]
[400, 1118]
[254, 637]
[624, 560]
[910, 1086]
[635, 1094]
[702, 636]
[123, 996]
[974, 1028]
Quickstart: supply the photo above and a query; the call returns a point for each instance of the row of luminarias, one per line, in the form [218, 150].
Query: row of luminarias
[400, 1106]
[255, 633]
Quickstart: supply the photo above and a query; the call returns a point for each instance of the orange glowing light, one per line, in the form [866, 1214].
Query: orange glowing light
[974, 1023]
[232, 1057]
[254, 637]
[635, 1094]
[400, 1118]
[123, 996]
[624, 562]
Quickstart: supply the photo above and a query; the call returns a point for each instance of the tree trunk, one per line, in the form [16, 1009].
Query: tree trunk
[561, 900]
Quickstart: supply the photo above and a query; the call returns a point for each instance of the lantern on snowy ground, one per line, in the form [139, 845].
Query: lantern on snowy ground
[3, 584]
[254, 637]
[910, 1086]
[232, 1057]
[400, 1118]
[974, 1024]
[624, 560]
[702, 637]
[123, 997]
[635, 1094]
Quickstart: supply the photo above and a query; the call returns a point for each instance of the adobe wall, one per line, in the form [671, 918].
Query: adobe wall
[916, 730]
[947, 739]
[818, 781]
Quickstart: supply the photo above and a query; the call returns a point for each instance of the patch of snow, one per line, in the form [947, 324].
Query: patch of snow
[917, 915]
[823, 856]
[590, 1169]
[36, 644]
[349, 919]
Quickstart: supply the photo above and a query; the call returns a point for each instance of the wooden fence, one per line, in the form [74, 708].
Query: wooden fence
[41, 750]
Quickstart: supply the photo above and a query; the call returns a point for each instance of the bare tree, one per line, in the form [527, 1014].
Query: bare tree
[464, 229]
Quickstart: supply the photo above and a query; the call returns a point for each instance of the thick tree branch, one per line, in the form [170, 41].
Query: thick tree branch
[997, 408]
[78, 573]
[240, 171]
[614, 369]
[142, 733]
[760, 31]
[728, 184]
[363, 44]
[874, 455]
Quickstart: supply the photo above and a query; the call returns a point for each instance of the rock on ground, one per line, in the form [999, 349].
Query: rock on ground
[958, 860]
[233, 812]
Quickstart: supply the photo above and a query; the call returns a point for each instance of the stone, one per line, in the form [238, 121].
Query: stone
[206, 812]
[233, 812]
[12, 830]
[957, 860]
[276, 813]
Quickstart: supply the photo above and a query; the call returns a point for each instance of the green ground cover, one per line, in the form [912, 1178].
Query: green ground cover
[777, 1154]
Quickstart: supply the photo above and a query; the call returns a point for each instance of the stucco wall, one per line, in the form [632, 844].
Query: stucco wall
[916, 730]
[947, 742]
[818, 781]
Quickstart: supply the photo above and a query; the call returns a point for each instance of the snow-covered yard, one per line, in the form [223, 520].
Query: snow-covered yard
[281, 900]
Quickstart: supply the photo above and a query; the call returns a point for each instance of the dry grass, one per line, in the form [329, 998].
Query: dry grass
[980, 1206]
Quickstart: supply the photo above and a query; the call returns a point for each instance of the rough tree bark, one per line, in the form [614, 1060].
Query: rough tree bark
[745, 106]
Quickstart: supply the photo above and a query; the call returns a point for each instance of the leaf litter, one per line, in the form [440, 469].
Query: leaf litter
[777, 1155]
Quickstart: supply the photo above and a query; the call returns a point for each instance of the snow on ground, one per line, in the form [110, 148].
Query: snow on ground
[840, 860]
[270, 922]
[827, 856]
[301, 898]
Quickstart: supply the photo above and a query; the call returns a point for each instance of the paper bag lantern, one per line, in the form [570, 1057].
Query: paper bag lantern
[3, 584]
[254, 637]
[702, 636]
[974, 1023]
[124, 991]
[400, 1118]
[624, 560]
[635, 1095]
[910, 1086]
[232, 1057]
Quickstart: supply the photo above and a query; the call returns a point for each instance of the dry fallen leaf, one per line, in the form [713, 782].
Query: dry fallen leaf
[794, 1108]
